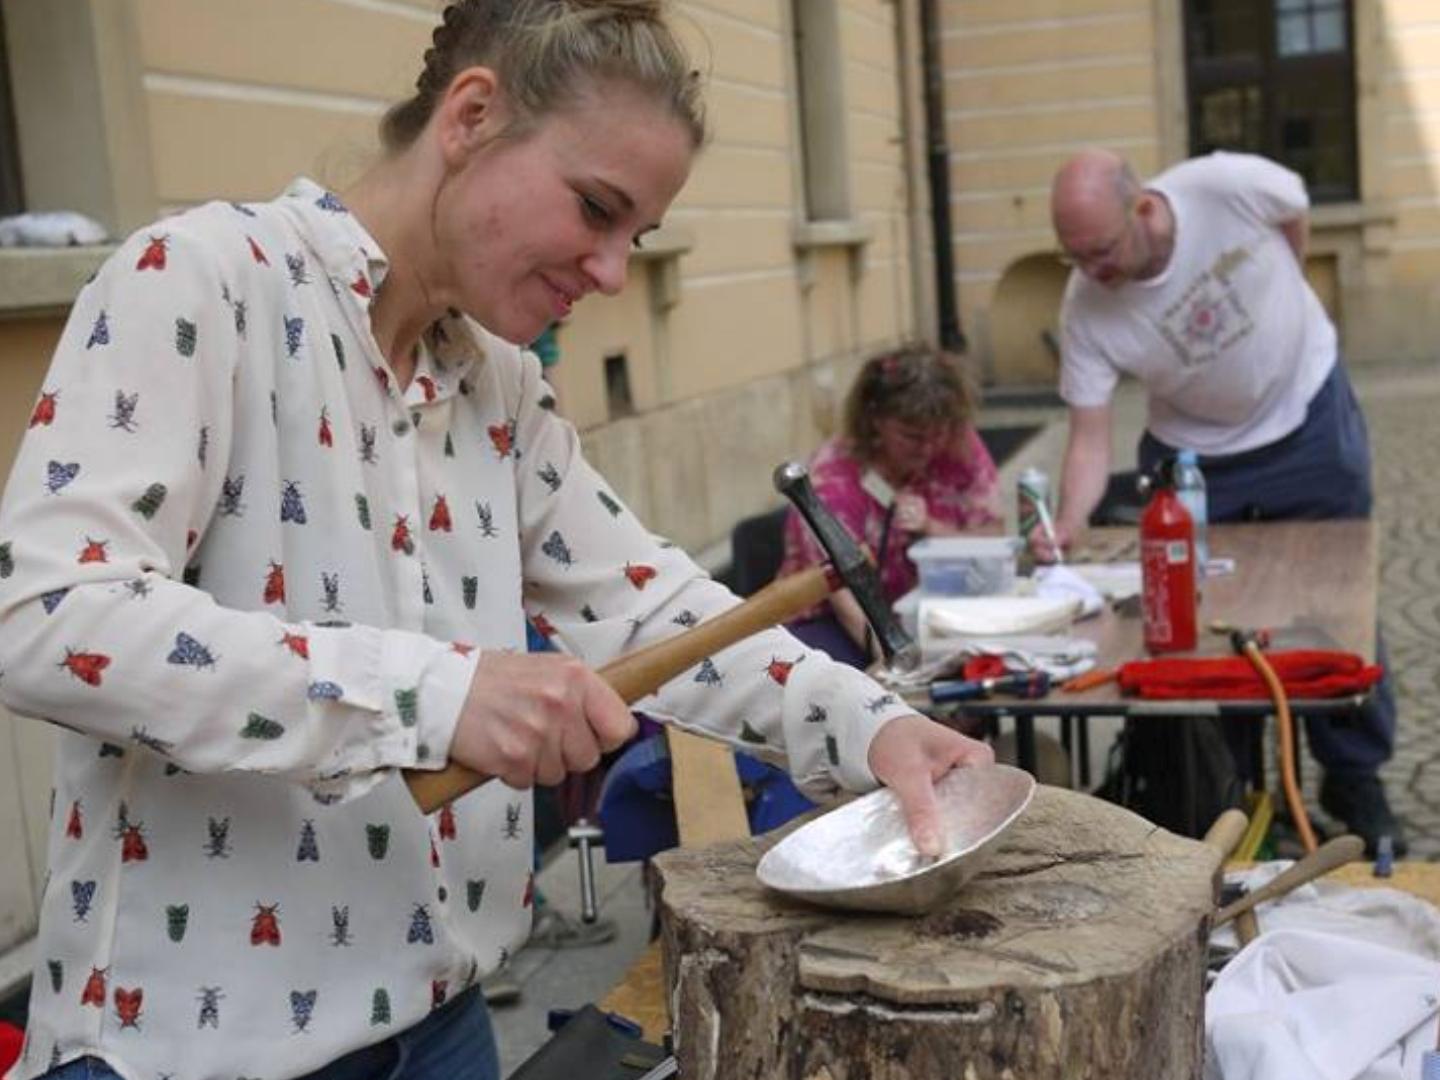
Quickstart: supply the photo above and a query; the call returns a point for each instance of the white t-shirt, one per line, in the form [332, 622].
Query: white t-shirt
[1229, 339]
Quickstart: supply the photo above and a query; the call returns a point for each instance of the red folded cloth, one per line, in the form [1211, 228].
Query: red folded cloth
[1305, 673]
[11, 1040]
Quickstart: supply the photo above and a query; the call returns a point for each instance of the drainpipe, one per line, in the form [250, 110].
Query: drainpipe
[937, 153]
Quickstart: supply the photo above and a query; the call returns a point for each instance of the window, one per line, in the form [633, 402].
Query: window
[1276, 77]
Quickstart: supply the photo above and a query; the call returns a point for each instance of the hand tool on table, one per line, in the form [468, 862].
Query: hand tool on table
[1024, 684]
[1224, 836]
[645, 670]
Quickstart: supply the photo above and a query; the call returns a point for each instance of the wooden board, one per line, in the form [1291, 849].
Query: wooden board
[709, 805]
[1078, 952]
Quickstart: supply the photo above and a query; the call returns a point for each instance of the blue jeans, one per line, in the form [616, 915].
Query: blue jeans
[1320, 470]
[455, 1042]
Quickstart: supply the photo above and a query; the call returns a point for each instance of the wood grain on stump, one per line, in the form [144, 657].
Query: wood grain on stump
[1078, 952]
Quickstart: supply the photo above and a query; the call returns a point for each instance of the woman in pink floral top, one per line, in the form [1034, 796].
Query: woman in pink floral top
[908, 464]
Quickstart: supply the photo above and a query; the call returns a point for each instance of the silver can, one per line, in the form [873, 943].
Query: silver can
[1032, 491]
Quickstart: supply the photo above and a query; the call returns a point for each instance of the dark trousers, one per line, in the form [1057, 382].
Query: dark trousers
[1320, 470]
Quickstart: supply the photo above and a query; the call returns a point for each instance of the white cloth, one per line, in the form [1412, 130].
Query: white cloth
[1229, 340]
[1064, 583]
[944, 617]
[1343, 984]
[251, 578]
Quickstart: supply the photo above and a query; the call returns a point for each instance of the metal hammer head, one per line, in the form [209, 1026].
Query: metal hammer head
[852, 564]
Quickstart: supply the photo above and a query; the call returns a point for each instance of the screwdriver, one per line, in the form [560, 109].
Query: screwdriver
[1026, 684]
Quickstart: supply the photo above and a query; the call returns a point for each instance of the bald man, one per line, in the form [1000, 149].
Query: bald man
[1194, 284]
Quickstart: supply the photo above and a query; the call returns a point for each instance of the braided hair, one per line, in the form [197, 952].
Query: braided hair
[546, 52]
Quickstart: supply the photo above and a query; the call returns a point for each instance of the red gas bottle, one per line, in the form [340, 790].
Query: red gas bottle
[1167, 568]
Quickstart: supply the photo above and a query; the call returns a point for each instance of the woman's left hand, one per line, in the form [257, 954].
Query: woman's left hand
[908, 755]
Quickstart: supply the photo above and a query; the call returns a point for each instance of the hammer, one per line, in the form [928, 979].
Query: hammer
[642, 672]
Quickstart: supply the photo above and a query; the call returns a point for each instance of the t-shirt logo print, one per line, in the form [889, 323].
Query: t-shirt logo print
[1206, 320]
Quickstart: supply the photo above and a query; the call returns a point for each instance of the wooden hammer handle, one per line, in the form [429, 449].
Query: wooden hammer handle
[1331, 854]
[644, 671]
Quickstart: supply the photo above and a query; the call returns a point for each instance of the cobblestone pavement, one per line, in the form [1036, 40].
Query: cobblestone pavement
[1402, 407]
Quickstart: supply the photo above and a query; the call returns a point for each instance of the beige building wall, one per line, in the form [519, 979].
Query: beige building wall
[1029, 82]
[742, 323]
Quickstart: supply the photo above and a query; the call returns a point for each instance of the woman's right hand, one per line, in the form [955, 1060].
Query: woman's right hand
[1042, 547]
[532, 718]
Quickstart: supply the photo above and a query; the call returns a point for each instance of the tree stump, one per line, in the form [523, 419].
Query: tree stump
[1077, 952]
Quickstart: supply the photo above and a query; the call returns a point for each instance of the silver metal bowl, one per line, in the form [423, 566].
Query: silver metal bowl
[859, 856]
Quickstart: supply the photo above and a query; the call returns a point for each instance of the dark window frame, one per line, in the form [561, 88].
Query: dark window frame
[1273, 74]
[12, 190]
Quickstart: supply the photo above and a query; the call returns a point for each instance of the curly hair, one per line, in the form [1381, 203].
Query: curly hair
[916, 384]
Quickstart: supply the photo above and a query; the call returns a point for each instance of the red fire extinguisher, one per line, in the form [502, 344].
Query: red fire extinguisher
[1167, 568]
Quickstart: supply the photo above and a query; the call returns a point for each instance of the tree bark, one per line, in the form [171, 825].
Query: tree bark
[1078, 952]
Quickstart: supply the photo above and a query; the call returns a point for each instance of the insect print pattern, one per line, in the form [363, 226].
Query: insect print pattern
[191, 653]
[709, 674]
[324, 690]
[82, 895]
[7, 559]
[123, 416]
[232, 496]
[400, 539]
[302, 1007]
[325, 436]
[51, 600]
[367, 444]
[639, 575]
[556, 547]
[149, 503]
[874, 705]
[57, 975]
[469, 588]
[331, 202]
[274, 591]
[686, 618]
[85, 666]
[749, 734]
[177, 921]
[156, 745]
[75, 823]
[128, 1005]
[487, 520]
[93, 551]
[362, 511]
[474, 893]
[440, 515]
[258, 253]
[816, 715]
[132, 839]
[44, 413]
[439, 991]
[59, 476]
[512, 821]
[294, 335]
[339, 347]
[308, 850]
[153, 257]
[380, 1007]
[377, 840]
[298, 644]
[292, 503]
[779, 670]
[330, 588]
[608, 501]
[426, 593]
[187, 336]
[265, 926]
[261, 727]
[136, 588]
[93, 992]
[209, 998]
[99, 331]
[217, 838]
[340, 926]
[299, 272]
[420, 931]
[550, 477]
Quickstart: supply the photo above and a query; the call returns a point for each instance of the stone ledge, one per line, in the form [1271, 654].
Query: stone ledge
[846, 232]
[44, 281]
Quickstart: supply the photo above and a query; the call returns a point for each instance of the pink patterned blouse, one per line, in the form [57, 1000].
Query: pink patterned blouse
[960, 487]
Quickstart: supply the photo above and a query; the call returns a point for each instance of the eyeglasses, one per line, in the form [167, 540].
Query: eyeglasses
[1100, 254]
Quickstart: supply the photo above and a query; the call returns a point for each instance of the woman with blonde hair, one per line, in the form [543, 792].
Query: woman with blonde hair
[288, 498]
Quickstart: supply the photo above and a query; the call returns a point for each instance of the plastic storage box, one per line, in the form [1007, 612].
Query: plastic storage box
[965, 565]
